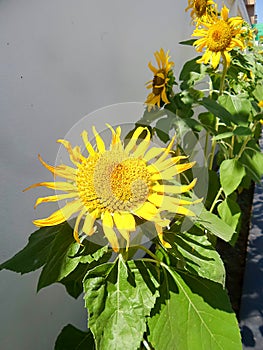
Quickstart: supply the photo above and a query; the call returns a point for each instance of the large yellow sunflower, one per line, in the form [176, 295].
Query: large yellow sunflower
[162, 80]
[117, 185]
[220, 36]
[199, 8]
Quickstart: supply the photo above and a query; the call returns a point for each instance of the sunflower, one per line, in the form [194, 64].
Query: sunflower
[220, 36]
[117, 185]
[199, 8]
[162, 81]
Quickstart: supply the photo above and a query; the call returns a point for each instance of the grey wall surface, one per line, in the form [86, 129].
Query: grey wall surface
[60, 60]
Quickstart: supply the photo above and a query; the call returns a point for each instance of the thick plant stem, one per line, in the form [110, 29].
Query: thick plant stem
[222, 80]
[221, 90]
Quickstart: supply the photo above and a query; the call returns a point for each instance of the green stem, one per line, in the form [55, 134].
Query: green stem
[213, 148]
[232, 146]
[243, 147]
[221, 90]
[216, 199]
[222, 80]
[148, 252]
[206, 143]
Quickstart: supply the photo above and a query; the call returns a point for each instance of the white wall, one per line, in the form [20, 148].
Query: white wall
[61, 59]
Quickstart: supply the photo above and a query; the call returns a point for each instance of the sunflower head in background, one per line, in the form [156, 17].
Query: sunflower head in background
[162, 82]
[117, 186]
[199, 8]
[219, 35]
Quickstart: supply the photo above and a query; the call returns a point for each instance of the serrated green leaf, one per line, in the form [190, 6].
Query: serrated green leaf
[93, 255]
[213, 224]
[119, 296]
[73, 282]
[72, 338]
[193, 313]
[231, 174]
[200, 256]
[35, 253]
[60, 262]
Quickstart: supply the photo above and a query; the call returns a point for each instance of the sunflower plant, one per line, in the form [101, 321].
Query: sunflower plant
[132, 234]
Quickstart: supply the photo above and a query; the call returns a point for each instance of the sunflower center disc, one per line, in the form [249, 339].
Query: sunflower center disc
[113, 182]
[219, 36]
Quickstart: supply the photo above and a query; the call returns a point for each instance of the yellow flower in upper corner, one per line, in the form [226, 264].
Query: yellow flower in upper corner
[219, 37]
[260, 104]
[117, 185]
[199, 8]
[162, 81]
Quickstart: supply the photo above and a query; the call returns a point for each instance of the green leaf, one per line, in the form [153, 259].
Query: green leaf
[60, 262]
[191, 73]
[218, 110]
[162, 128]
[208, 120]
[72, 338]
[119, 296]
[200, 256]
[242, 131]
[258, 92]
[230, 212]
[187, 42]
[253, 164]
[73, 281]
[89, 255]
[215, 225]
[231, 174]
[35, 253]
[238, 105]
[222, 136]
[193, 313]
[213, 188]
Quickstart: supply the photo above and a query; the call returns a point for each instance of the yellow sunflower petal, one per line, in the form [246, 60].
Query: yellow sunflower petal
[143, 146]
[99, 141]
[88, 226]
[60, 215]
[107, 224]
[61, 170]
[55, 185]
[86, 142]
[124, 221]
[54, 198]
[159, 231]
[147, 211]
[76, 227]
[134, 139]
[74, 153]
[173, 188]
